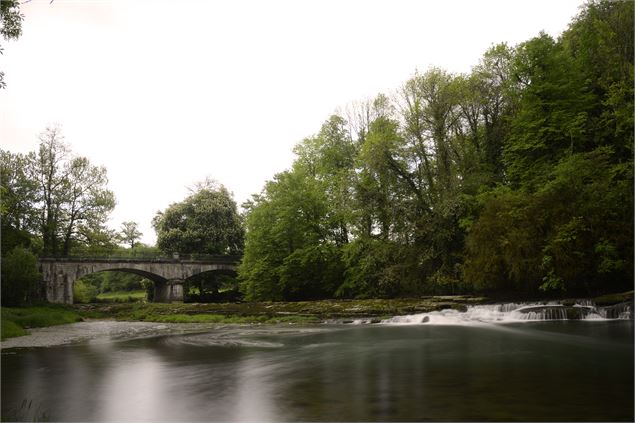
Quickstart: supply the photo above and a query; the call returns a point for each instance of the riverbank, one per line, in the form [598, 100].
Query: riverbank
[17, 321]
[273, 312]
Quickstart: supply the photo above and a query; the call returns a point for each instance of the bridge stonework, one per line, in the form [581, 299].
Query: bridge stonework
[59, 274]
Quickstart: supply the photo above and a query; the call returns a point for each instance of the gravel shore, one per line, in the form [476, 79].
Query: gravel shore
[98, 330]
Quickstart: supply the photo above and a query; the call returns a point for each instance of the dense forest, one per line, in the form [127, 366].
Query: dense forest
[516, 178]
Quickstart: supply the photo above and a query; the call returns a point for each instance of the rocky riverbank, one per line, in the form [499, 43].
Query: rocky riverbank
[126, 320]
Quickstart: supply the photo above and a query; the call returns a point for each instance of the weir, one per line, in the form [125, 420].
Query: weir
[168, 274]
[515, 312]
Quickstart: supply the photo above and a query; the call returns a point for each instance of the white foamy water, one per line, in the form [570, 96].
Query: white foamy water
[507, 313]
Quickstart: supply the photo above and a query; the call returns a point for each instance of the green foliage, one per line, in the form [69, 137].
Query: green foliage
[20, 277]
[565, 220]
[61, 199]
[371, 269]
[35, 317]
[312, 272]
[130, 233]
[121, 296]
[113, 281]
[206, 222]
[553, 111]
[573, 234]
[148, 286]
[11, 329]
[10, 25]
[18, 192]
[516, 177]
[290, 215]
[212, 286]
[84, 292]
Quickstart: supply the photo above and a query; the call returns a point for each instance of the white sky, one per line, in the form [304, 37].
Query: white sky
[166, 93]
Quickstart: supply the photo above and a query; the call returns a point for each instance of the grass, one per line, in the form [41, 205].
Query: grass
[16, 320]
[121, 296]
[11, 329]
[269, 312]
[238, 313]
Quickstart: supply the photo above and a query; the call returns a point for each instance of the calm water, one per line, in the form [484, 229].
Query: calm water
[556, 371]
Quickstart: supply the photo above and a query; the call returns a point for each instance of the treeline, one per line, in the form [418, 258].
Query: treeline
[517, 177]
[55, 203]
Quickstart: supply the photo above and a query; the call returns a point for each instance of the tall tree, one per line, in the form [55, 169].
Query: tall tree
[10, 25]
[49, 169]
[564, 222]
[18, 193]
[72, 193]
[486, 104]
[288, 254]
[486, 180]
[130, 233]
[206, 222]
[86, 201]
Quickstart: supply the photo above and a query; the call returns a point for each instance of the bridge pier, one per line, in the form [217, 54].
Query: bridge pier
[59, 288]
[168, 291]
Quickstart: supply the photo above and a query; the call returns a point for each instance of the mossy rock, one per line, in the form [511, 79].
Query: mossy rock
[612, 299]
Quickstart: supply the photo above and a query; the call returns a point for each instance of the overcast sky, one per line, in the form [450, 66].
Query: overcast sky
[167, 93]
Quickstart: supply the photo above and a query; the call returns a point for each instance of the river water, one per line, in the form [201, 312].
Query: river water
[457, 369]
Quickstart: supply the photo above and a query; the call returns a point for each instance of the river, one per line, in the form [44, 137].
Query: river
[457, 369]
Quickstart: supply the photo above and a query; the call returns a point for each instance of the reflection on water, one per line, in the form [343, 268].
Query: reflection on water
[575, 371]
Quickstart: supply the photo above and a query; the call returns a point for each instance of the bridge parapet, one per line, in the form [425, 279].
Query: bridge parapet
[198, 258]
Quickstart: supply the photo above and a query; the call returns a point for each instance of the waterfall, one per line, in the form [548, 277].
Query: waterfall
[541, 313]
[584, 310]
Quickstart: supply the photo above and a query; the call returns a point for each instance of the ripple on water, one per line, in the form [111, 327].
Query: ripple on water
[219, 340]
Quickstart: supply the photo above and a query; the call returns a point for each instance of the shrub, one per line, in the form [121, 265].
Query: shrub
[20, 277]
[84, 292]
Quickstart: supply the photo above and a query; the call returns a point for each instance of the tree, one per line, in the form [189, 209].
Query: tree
[206, 222]
[564, 222]
[72, 195]
[288, 253]
[490, 180]
[86, 201]
[574, 234]
[552, 119]
[18, 193]
[328, 157]
[47, 168]
[19, 277]
[130, 233]
[10, 25]
[486, 103]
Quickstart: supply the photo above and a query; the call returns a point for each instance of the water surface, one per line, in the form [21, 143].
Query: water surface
[539, 371]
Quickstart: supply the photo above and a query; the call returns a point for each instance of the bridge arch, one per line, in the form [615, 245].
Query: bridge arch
[168, 275]
[215, 285]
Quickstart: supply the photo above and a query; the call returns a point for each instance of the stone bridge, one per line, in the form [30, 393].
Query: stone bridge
[168, 274]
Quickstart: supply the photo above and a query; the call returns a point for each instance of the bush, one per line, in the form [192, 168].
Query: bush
[84, 292]
[20, 277]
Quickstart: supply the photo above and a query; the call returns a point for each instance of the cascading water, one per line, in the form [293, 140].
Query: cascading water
[515, 312]
[551, 312]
